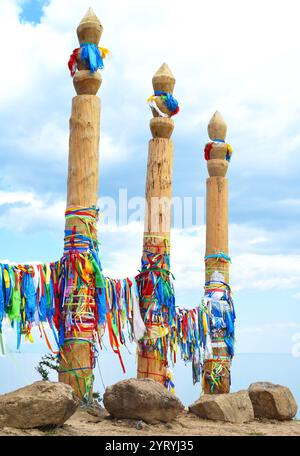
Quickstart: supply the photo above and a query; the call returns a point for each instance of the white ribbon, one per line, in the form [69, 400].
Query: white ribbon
[139, 327]
[153, 105]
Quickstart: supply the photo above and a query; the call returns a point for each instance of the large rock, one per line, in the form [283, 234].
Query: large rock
[38, 405]
[143, 399]
[272, 401]
[232, 407]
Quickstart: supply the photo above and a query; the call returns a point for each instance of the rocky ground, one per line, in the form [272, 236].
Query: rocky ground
[53, 409]
[83, 423]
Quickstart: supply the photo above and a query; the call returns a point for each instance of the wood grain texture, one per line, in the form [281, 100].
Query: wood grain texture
[159, 187]
[217, 127]
[217, 221]
[157, 226]
[83, 169]
[77, 356]
[216, 242]
[83, 166]
[149, 367]
[90, 28]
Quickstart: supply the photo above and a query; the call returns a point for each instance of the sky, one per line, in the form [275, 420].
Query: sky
[236, 57]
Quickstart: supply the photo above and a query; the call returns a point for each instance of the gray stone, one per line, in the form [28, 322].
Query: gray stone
[141, 399]
[139, 425]
[232, 407]
[94, 409]
[41, 404]
[272, 401]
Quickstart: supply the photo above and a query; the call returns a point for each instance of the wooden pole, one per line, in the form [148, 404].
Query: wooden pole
[76, 366]
[217, 261]
[151, 362]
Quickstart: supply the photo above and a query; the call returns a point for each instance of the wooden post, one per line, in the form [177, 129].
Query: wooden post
[217, 261]
[152, 363]
[77, 354]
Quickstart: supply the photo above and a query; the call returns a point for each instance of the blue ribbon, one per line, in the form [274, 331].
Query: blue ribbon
[30, 295]
[218, 255]
[91, 56]
[1, 298]
[170, 101]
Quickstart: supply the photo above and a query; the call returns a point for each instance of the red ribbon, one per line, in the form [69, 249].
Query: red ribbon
[207, 150]
[72, 64]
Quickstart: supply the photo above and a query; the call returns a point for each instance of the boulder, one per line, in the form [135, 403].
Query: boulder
[272, 401]
[141, 399]
[232, 407]
[41, 404]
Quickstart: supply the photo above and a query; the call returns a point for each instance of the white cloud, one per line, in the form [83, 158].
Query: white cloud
[269, 327]
[51, 142]
[228, 55]
[48, 142]
[16, 197]
[266, 272]
[33, 58]
[30, 212]
[241, 66]
[111, 151]
[121, 248]
[287, 203]
[238, 57]
[275, 337]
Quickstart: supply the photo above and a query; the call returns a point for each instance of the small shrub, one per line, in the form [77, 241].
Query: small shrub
[48, 362]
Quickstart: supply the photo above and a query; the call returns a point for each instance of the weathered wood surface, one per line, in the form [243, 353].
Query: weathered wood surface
[83, 171]
[158, 202]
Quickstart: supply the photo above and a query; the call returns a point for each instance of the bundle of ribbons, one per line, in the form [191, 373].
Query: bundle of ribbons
[72, 294]
[169, 328]
[33, 295]
[27, 298]
[217, 329]
[186, 333]
[209, 146]
[90, 55]
[173, 329]
[30, 296]
[157, 302]
[80, 304]
[89, 303]
[168, 101]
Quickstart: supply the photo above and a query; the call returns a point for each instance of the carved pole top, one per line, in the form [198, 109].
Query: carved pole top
[217, 152]
[88, 59]
[163, 79]
[217, 127]
[162, 103]
[90, 28]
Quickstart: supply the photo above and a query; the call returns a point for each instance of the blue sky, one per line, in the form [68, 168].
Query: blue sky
[32, 10]
[232, 56]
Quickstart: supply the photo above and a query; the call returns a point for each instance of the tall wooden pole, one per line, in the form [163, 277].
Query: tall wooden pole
[152, 362]
[217, 261]
[77, 352]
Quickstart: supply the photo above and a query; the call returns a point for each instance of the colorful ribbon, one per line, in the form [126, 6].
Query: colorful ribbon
[209, 146]
[91, 55]
[169, 101]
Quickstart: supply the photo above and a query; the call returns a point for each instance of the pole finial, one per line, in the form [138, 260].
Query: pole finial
[217, 152]
[87, 80]
[217, 127]
[162, 125]
[90, 28]
[164, 79]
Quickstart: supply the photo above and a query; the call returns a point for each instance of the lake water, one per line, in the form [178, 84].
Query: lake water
[17, 370]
